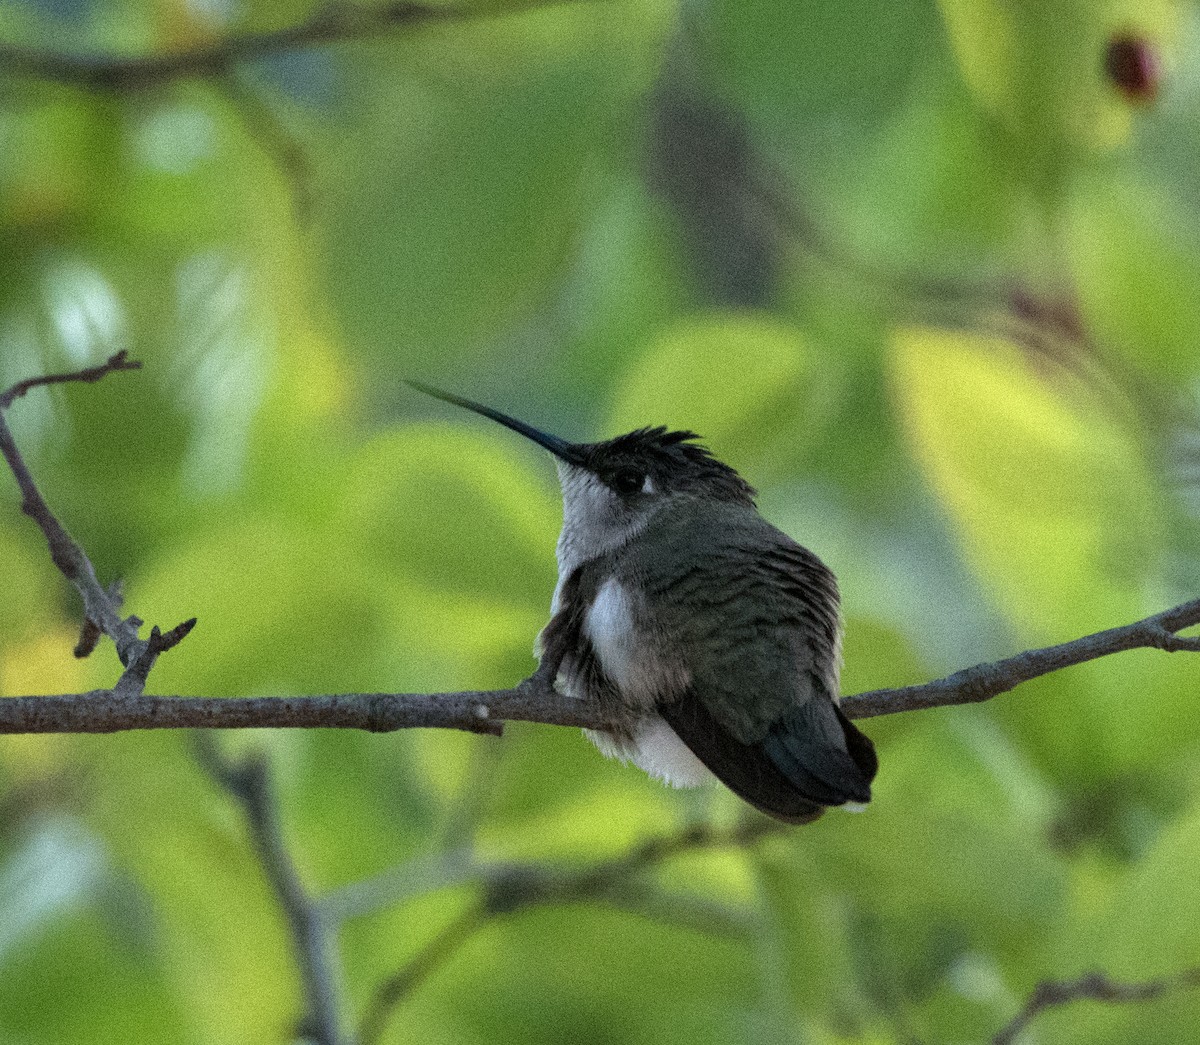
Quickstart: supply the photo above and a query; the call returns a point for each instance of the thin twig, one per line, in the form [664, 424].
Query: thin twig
[459, 866]
[335, 23]
[133, 681]
[1093, 986]
[89, 375]
[417, 970]
[515, 887]
[684, 910]
[101, 606]
[277, 142]
[89, 632]
[249, 782]
[743, 834]
[402, 882]
[510, 888]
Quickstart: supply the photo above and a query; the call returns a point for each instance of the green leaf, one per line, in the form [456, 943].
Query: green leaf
[28, 608]
[1133, 253]
[457, 202]
[454, 513]
[1052, 501]
[643, 982]
[281, 608]
[749, 384]
[950, 185]
[798, 67]
[948, 790]
[1039, 64]
[82, 983]
[883, 912]
[218, 928]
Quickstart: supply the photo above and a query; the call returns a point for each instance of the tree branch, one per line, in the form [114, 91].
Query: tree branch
[509, 888]
[108, 711]
[249, 782]
[334, 23]
[125, 706]
[1094, 986]
[984, 681]
[485, 711]
[397, 987]
[101, 606]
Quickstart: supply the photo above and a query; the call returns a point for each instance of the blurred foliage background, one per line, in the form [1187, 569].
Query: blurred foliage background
[928, 273]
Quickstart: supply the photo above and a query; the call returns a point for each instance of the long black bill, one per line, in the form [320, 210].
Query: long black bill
[569, 452]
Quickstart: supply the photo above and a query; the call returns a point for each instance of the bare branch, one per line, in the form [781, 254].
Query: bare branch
[514, 887]
[509, 888]
[133, 681]
[435, 871]
[485, 711]
[334, 23]
[984, 681]
[125, 706]
[249, 782]
[402, 882]
[1093, 986]
[684, 910]
[108, 711]
[397, 987]
[89, 375]
[101, 606]
[89, 633]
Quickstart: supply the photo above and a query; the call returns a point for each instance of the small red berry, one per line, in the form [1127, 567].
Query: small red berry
[1132, 66]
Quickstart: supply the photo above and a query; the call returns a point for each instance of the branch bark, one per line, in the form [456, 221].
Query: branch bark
[485, 711]
[1093, 986]
[985, 681]
[511, 888]
[125, 706]
[101, 606]
[248, 781]
[335, 23]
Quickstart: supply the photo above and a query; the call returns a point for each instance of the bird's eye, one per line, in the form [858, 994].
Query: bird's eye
[628, 481]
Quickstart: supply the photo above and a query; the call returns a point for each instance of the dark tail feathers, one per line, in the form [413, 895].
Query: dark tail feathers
[813, 758]
[823, 753]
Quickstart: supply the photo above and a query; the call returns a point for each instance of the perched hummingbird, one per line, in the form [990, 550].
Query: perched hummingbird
[713, 637]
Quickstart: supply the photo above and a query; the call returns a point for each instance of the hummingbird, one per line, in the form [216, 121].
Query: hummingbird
[711, 638]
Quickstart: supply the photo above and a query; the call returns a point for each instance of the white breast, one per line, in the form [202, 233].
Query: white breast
[630, 652]
[609, 626]
[643, 675]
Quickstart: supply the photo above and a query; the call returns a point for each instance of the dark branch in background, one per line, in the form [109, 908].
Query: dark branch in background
[248, 780]
[335, 23]
[510, 888]
[397, 987]
[269, 132]
[1092, 986]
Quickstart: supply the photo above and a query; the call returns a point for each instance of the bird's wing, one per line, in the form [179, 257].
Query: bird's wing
[753, 617]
